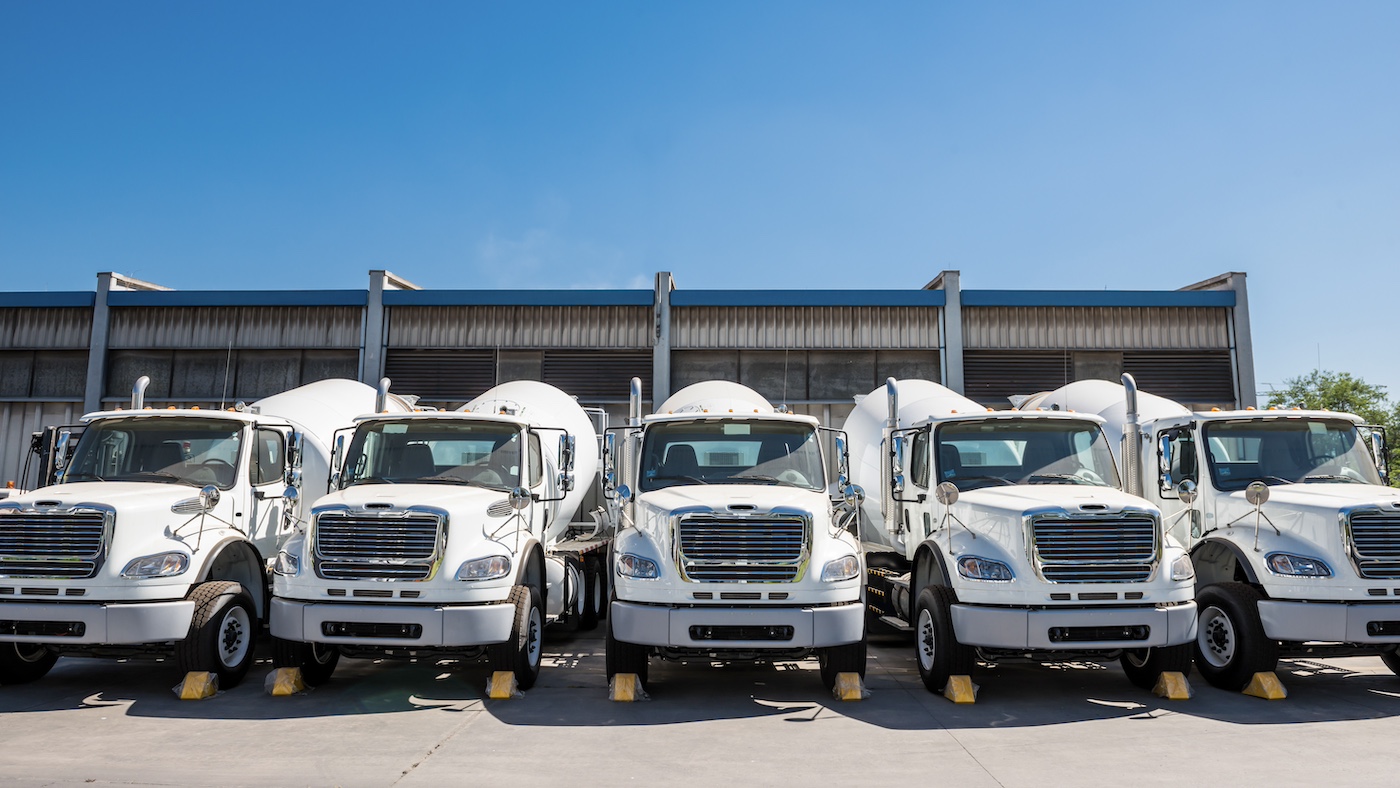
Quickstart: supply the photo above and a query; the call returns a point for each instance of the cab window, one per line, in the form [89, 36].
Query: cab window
[536, 461]
[269, 451]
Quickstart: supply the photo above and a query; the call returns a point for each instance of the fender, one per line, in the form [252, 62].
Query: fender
[239, 551]
[1206, 554]
[529, 554]
[930, 548]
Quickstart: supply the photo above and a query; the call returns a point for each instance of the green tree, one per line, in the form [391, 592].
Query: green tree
[1341, 391]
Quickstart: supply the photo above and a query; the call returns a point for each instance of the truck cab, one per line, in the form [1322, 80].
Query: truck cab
[158, 536]
[729, 544]
[445, 533]
[1294, 536]
[1005, 534]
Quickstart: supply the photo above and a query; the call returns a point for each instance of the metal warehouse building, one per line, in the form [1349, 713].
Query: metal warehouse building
[65, 353]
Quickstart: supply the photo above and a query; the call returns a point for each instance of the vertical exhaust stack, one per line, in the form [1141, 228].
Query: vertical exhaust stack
[887, 507]
[381, 396]
[138, 393]
[1132, 440]
[892, 392]
[634, 404]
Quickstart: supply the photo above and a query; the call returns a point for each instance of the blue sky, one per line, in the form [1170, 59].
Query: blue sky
[1064, 145]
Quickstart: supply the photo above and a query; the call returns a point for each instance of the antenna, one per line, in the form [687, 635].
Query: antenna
[228, 364]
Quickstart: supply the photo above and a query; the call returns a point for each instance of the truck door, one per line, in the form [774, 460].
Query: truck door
[1178, 460]
[266, 468]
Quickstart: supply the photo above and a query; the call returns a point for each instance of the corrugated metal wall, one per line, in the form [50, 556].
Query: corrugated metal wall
[244, 326]
[20, 419]
[45, 328]
[1093, 328]
[804, 327]
[598, 327]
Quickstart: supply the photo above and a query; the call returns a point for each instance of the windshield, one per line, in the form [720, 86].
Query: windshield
[731, 452]
[1285, 451]
[993, 452]
[434, 451]
[170, 450]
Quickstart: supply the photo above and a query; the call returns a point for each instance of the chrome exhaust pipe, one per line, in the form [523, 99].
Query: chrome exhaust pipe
[381, 396]
[634, 403]
[138, 393]
[1132, 439]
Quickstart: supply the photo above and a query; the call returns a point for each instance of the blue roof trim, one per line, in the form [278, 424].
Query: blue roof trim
[518, 298]
[1100, 298]
[808, 298]
[42, 300]
[238, 298]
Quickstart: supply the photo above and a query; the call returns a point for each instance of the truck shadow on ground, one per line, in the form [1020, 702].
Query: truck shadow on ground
[572, 692]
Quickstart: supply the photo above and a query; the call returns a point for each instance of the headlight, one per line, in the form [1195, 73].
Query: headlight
[1296, 565]
[974, 568]
[286, 564]
[488, 568]
[1182, 569]
[629, 565]
[158, 565]
[844, 568]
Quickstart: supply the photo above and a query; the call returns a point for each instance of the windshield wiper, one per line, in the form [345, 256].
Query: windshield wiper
[1331, 477]
[448, 477]
[1068, 477]
[681, 478]
[763, 479]
[372, 480]
[162, 475]
[999, 480]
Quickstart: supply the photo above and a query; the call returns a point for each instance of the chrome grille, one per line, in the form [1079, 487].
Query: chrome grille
[64, 544]
[355, 546]
[741, 550]
[1375, 541]
[1119, 549]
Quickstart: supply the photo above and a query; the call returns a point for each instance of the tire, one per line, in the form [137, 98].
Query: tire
[848, 658]
[1390, 658]
[21, 663]
[625, 657]
[316, 660]
[1230, 642]
[575, 574]
[592, 594]
[222, 633]
[937, 651]
[1144, 665]
[521, 653]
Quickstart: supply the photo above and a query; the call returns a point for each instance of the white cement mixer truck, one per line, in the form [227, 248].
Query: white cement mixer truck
[1004, 534]
[1294, 538]
[159, 536]
[450, 534]
[729, 545]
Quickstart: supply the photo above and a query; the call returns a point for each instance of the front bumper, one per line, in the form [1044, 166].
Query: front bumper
[439, 627]
[1329, 622]
[1018, 628]
[811, 627]
[115, 624]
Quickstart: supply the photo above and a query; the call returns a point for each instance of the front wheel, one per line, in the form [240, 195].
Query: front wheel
[623, 657]
[521, 653]
[1230, 642]
[1392, 660]
[939, 654]
[316, 660]
[21, 663]
[221, 633]
[1144, 665]
[835, 660]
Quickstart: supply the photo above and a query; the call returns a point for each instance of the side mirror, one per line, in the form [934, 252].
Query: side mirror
[843, 464]
[854, 496]
[1164, 462]
[946, 493]
[624, 493]
[1186, 491]
[520, 498]
[566, 452]
[209, 497]
[609, 476]
[337, 454]
[292, 474]
[1380, 452]
[897, 455]
[60, 452]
